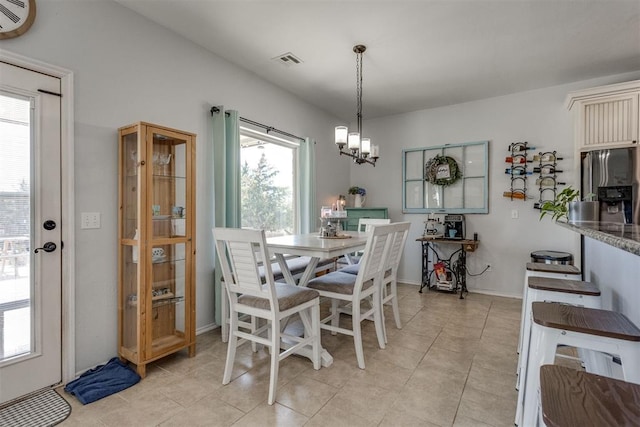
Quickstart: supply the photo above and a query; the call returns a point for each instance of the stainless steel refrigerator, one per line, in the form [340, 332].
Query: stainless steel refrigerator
[613, 177]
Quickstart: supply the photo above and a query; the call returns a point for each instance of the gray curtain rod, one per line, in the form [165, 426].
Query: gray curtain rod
[267, 128]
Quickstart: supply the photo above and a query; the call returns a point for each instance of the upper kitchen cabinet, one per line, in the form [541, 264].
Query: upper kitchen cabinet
[606, 116]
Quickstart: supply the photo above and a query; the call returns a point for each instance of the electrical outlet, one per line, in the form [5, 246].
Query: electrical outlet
[488, 267]
[89, 220]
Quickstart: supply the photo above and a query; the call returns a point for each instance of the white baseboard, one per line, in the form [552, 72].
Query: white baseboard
[477, 291]
[409, 282]
[495, 294]
[199, 331]
[207, 328]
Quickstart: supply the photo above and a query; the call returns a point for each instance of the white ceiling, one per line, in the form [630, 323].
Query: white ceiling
[420, 53]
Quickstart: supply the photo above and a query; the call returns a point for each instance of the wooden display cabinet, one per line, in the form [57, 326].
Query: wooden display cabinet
[156, 236]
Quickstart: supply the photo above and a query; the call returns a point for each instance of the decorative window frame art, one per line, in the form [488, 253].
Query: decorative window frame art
[451, 178]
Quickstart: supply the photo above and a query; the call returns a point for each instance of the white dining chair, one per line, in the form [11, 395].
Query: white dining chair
[239, 251]
[364, 225]
[390, 277]
[389, 292]
[297, 266]
[349, 289]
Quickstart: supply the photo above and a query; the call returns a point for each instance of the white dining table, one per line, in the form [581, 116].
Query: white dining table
[316, 247]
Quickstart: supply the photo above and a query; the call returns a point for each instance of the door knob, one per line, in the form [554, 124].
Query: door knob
[47, 247]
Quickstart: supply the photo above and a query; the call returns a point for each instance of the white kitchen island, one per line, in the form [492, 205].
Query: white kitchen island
[611, 261]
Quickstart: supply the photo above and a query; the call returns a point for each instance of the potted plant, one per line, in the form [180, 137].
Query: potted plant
[359, 194]
[567, 205]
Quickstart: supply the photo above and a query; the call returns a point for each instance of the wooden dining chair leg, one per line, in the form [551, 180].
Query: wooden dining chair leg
[231, 349]
[357, 334]
[224, 314]
[384, 324]
[275, 359]
[392, 297]
[377, 318]
[335, 319]
[394, 304]
[255, 324]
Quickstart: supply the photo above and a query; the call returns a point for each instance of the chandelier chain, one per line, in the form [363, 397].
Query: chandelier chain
[359, 90]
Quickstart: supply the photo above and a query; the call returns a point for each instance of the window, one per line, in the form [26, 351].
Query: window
[469, 194]
[268, 174]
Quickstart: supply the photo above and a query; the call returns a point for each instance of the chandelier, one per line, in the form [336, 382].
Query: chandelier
[359, 148]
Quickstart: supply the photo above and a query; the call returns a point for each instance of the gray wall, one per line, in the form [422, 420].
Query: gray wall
[539, 117]
[128, 69]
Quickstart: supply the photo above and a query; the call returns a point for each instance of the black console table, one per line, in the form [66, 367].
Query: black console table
[455, 264]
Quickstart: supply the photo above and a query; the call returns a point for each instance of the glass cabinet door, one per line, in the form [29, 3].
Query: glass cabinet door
[168, 196]
[129, 240]
[168, 314]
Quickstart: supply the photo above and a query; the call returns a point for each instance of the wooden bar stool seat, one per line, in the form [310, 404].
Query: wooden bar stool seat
[581, 327]
[538, 269]
[558, 269]
[574, 398]
[567, 291]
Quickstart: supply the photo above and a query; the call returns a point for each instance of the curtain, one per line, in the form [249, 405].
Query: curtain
[226, 185]
[307, 186]
[226, 176]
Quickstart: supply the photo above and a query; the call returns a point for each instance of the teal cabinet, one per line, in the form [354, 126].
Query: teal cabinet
[354, 214]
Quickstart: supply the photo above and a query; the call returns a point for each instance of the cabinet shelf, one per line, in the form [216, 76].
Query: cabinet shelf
[168, 260]
[159, 301]
[162, 346]
[162, 261]
[160, 176]
[156, 237]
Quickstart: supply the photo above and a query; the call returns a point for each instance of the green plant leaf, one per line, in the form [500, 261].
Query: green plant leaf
[559, 208]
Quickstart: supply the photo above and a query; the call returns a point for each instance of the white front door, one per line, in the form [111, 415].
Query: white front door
[30, 232]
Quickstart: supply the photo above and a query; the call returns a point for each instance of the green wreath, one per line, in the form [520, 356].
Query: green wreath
[442, 170]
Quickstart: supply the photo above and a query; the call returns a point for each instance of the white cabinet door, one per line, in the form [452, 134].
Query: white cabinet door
[606, 116]
[610, 121]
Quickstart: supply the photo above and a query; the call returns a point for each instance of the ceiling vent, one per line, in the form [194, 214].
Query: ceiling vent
[288, 59]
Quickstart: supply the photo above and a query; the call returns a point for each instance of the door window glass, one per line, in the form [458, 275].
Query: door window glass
[15, 226]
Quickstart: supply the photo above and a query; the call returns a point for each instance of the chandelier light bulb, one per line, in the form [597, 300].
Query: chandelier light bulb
[365, 146]
[354, 141]
[341, 135]
[375, 151]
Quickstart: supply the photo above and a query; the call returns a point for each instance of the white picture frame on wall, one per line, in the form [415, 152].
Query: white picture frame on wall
[469, 194]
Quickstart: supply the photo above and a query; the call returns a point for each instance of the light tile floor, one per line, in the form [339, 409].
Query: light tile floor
[452, 364]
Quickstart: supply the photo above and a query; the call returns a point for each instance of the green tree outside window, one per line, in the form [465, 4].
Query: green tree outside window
[264, 204]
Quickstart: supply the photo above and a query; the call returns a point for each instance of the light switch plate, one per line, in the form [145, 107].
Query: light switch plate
[89, 220]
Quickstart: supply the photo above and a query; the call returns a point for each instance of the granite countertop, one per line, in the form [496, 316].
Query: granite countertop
[621, 236]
